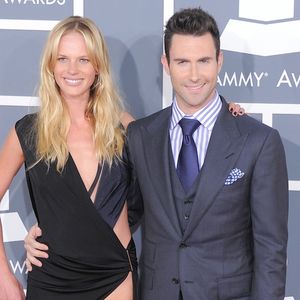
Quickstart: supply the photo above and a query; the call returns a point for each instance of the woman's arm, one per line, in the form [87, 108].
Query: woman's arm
[234, 108]
[11, 159]
[126, 118]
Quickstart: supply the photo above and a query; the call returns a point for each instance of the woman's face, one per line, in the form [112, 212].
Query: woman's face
[73, 71]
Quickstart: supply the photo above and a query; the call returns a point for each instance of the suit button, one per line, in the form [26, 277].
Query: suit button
[175, 281]
[188, 201]
[182, 245]
[186, 217]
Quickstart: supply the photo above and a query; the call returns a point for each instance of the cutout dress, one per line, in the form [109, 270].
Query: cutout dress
[86, 259]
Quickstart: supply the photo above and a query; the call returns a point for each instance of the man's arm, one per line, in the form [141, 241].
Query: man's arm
[134, 200]
[34, 249]
[269, 214]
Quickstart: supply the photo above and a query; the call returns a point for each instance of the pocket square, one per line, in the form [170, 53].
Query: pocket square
[234, 175]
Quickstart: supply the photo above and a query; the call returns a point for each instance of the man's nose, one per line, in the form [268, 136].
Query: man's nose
[194, 72]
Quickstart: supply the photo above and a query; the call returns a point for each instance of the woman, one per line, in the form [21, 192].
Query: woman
[76, 172]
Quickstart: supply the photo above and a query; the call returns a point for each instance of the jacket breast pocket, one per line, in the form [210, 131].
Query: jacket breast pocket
[236, 287]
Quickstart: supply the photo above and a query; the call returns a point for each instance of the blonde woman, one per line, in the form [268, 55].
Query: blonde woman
[77, 174]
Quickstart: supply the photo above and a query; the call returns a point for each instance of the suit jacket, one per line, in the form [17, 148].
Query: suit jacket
[234, 246]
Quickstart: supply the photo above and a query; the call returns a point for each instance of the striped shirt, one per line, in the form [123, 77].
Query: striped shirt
[207, 116]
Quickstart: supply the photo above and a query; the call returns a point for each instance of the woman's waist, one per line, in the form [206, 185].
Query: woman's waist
[89, 260]
[72, 273]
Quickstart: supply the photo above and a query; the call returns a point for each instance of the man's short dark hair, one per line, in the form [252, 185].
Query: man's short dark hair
[191, 21]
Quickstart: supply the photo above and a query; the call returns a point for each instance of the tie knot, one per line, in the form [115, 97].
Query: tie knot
[189, 126]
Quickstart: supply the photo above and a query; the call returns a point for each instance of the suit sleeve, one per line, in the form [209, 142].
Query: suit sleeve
[134, 201]
[269, 213]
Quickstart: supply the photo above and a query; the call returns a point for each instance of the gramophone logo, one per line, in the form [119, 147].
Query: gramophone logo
[12, 225]
[266, 28]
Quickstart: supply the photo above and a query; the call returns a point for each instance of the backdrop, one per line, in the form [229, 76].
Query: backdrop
[261, 44]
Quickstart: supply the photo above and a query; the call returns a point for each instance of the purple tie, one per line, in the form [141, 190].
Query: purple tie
[187, 165]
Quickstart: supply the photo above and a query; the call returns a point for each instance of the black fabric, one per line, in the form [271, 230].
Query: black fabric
[96, 179]
[86, 259]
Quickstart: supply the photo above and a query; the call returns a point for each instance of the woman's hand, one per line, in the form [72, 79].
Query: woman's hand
[33, 248]
[236, 109]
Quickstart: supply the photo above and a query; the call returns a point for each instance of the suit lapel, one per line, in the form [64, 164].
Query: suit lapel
[224, 147]
[158, 163]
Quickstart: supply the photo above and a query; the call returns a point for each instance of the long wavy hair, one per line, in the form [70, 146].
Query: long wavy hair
[104, 106]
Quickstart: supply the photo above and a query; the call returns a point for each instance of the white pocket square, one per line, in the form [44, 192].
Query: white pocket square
[234, 175]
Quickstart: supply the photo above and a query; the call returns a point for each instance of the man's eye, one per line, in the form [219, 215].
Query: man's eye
[205, 60]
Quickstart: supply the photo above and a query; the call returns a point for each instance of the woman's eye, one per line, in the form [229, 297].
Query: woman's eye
[84, 60]
[62, 59]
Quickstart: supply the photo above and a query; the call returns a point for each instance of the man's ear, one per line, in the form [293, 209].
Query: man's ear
[165, 63]
[220, 61]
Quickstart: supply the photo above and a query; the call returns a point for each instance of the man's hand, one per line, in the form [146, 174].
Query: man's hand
[33, 248]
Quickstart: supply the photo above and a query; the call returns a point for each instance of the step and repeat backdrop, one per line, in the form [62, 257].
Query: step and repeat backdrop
[261, 44]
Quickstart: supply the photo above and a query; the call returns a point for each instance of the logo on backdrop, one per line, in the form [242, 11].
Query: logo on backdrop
[257, 79]
[35, 2]
[36, 14]
[269, 28]
[12, 226]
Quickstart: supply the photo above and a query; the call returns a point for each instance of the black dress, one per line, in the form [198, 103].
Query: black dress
[86, 259]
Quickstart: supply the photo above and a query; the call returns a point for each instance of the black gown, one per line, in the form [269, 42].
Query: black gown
[86, 259]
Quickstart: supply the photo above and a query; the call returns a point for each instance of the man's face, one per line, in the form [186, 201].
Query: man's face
[193, 68]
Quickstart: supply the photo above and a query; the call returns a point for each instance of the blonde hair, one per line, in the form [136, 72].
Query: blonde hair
[104, 107]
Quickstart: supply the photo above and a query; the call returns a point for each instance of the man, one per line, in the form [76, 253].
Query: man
[221, 234]
[214, 187]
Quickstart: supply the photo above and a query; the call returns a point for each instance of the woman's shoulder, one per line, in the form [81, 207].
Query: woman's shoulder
[25, 122]
[26, 130]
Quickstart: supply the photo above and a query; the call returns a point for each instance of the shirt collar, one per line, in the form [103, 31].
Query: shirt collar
[207, 115]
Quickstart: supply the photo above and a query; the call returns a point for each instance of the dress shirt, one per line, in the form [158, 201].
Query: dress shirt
[207, 116]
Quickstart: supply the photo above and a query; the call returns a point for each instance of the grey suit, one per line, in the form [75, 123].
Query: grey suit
[234, 243]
